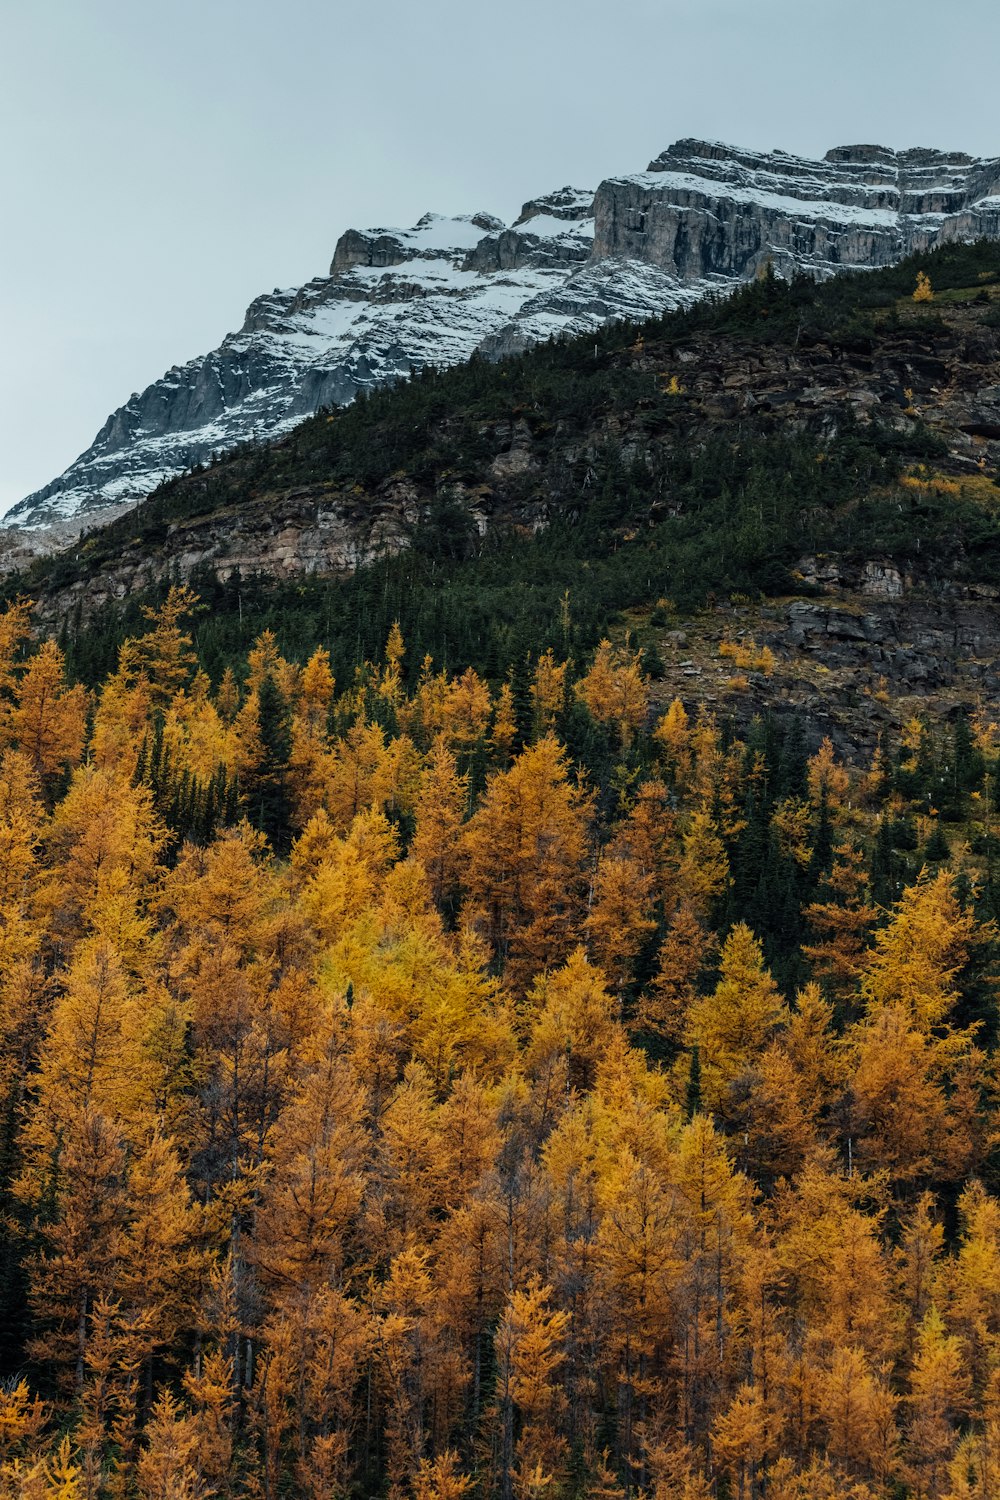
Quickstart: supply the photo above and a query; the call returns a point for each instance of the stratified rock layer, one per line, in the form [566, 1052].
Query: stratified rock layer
[702, 210]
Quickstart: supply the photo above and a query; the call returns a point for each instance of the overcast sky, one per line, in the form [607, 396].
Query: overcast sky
[164, 163]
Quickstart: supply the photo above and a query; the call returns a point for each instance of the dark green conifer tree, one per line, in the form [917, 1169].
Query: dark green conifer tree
[266, 791]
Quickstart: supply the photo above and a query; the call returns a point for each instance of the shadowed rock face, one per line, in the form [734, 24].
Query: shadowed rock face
[702, 217]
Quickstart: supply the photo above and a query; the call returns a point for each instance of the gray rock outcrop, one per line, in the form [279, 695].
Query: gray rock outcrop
[702, 209]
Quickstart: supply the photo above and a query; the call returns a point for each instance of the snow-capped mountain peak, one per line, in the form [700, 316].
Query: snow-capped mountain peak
[702, 216]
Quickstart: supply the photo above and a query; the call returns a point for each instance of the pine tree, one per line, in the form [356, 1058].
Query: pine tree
[266, 789]
[525, 847]
[440, 810]
[924, 292]
[50, 720]
[732, 1026]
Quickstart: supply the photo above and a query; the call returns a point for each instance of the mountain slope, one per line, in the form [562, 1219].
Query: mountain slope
[799, 445]
[702, 218]
[394, 302]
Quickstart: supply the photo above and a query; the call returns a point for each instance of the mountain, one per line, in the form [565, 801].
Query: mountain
[707, 209]
[394, 301]
[702, 218]
[556, 835]
[814, 461]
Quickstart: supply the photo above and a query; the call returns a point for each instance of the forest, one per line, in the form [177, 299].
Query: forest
[423, 1082]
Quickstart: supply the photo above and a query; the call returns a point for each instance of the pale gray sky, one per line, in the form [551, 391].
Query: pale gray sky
[162, 163]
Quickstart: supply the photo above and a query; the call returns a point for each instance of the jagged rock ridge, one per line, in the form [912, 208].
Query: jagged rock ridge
[702, 217]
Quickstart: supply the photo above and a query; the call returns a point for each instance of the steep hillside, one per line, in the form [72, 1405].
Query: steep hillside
[702, 218]
[833, 445]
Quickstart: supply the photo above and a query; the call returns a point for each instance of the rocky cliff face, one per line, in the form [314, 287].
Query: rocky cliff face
[701, 218]
[703, 210]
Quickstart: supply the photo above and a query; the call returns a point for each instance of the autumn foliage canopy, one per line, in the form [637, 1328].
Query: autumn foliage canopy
[427, 1087]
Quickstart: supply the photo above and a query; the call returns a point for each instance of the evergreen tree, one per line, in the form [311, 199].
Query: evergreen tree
[265, 790]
